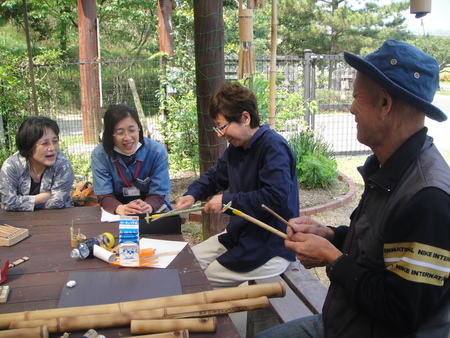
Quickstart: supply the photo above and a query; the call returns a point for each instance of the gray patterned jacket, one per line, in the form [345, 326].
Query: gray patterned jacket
[15, 184]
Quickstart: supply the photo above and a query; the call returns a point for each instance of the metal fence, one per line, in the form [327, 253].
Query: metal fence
[325, 79]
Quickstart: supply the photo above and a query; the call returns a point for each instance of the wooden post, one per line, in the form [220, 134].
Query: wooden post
[89, 70]
[165, 26]
[137, 103]
[307, 85]
[273, 66]
[210, 74]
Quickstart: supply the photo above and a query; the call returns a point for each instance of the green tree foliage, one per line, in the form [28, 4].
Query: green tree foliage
[132, 23]
[438, 46]
[13, 101]
[15, 91]
[330, 26]
[130, 26]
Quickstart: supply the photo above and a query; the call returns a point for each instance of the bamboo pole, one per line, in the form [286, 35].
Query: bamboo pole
[255, 221]
[191, 324]
[277, 289]
[155, 217]
[34, 332]
[76, 323]
[273, 66]
[179, 334]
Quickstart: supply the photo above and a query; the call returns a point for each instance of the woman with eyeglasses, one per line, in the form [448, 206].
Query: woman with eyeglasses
[258, 167]
[38, 176]
[130, 172]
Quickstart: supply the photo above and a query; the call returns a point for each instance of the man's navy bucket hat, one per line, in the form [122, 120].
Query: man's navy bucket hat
[404, 71]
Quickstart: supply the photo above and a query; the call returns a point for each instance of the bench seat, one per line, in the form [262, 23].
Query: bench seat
[305, 295]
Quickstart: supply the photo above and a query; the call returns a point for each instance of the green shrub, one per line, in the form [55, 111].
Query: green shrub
[180, 126]
[444, 75]
[316, 163]
[316, 171]
[81, 167]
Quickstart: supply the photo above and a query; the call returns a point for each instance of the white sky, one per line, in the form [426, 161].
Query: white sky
[436, 21]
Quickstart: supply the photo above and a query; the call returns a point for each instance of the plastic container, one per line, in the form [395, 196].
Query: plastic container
[85, 249]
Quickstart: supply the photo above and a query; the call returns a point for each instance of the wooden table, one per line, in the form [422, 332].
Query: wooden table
[37, 283]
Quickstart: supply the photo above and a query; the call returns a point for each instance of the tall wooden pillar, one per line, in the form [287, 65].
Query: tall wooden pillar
[89, 70]
[210, 75]
[165, 26]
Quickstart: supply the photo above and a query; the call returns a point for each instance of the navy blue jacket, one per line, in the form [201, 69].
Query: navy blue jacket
[264, 173]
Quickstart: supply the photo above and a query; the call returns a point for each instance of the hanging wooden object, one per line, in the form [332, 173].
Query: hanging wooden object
[246, 64]
[256, 3]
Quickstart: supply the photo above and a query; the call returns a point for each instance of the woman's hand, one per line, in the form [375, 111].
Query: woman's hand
[214, 205]
[185, 202]
[135, 207]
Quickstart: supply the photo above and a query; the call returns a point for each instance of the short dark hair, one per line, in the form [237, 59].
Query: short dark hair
[113, 115]
[231, 100]
[31, 130]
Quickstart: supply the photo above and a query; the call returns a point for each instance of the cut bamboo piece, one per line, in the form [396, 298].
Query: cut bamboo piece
[34, 332]
[163, 325]
[178, 334]
[75, 323]
[277, 289]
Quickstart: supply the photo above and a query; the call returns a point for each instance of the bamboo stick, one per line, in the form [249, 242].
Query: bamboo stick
[19, 261]
[75, 323]
[255, 221]
[276, 215]
[277, 289]
[155, 217]
[34, 332]
[179, 334]
[191, 324]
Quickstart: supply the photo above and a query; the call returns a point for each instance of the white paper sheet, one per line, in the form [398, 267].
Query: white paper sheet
[162, 247]
[108, 217]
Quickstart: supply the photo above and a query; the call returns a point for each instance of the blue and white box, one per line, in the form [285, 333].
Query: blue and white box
[129, 240]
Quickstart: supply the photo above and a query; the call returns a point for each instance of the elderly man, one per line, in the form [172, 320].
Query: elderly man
[389, 270]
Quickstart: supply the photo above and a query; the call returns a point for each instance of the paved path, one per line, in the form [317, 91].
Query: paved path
[440, 131]
[340, 129]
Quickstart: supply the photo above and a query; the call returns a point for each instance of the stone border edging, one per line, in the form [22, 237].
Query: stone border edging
[346, 199]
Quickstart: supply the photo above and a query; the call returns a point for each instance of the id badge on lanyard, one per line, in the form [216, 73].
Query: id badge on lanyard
[129, 189]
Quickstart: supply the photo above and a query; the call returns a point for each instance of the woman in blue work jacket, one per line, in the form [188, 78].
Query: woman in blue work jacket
[130, 171]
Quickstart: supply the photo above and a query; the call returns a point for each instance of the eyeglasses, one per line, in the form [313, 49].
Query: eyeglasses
[47, 144]
[221, 128]
[130, 131]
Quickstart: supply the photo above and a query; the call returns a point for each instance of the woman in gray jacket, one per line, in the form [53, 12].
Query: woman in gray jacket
[38, 176]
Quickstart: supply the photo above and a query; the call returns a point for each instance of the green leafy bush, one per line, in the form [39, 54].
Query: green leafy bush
[316, 171]
[181, 133]
[180, 126]
[316, 163]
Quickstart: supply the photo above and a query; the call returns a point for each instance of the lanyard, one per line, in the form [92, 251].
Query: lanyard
[123, 177]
